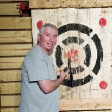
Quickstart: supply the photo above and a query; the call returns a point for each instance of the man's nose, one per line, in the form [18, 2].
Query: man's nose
[51, 39]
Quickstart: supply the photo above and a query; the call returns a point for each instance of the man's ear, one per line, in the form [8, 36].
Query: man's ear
[38, 37]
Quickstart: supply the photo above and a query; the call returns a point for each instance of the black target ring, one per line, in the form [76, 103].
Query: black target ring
[58, 54]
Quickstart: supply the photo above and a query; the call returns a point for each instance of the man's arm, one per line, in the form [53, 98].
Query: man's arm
[48, 86]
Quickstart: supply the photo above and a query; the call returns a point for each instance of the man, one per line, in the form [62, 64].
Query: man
[40, 91]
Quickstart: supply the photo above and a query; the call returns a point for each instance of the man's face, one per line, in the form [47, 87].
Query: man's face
[48, 39]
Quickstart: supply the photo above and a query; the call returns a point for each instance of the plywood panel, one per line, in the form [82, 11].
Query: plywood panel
[84, 31]
[10, 75]
[10, 88]
[12, 100]
[9, 9]
[14, 49]
[11, 63]
[69, 3]
[15, 23]
[15, 36]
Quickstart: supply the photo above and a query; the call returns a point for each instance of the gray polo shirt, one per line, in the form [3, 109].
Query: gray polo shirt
[37, 66]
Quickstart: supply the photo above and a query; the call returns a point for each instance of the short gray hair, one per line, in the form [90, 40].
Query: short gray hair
[47, 25]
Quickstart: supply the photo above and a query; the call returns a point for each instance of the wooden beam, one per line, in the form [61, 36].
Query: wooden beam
[11, 63]
[9, 9]
[14, 49]
[10, 75]
[10, 88]
[78, 104]
[88, 111]
[15, 36]
[10, 100]
[15, 23]
[15, 109]
[10, 109]
[69, 3]
[86, 104]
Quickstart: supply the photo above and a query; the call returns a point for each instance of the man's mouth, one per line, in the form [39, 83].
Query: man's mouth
[50, 44]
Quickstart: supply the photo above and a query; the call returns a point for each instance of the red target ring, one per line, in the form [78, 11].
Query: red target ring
[103, 85]
[39, 24]
[102, 22]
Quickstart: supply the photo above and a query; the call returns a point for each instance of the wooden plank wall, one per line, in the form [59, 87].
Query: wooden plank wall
[15, 42]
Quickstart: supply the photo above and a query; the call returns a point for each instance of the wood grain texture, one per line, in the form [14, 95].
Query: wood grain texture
[9, 9]
[10, 109]
[10, 100]
[15, 23]
[11, 63]
[15, 36]
[10, 75]
[85, 104]
[14, 49]
[69, 3]
[10, 88]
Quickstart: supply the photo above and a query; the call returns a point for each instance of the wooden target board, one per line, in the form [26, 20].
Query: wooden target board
[84, 39]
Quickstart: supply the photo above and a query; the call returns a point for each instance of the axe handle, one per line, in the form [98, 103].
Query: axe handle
[71, 75]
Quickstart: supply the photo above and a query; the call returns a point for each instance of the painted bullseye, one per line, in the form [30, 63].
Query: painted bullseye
[39, 24]
[102, 22]
[72, 42]
[73, 54]
[103, 85]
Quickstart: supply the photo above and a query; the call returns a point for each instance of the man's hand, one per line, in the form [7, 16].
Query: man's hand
[63, 74]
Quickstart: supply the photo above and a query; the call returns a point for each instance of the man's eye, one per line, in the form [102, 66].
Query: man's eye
[47, 35]
[55, 36]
